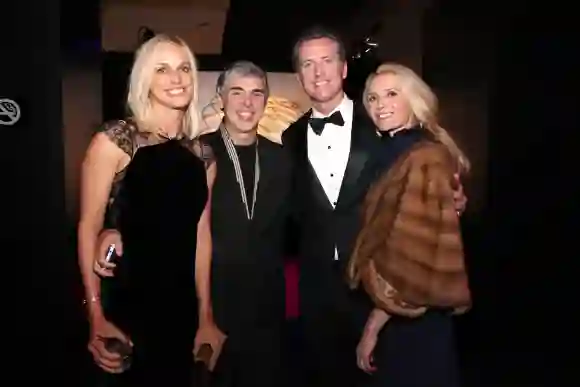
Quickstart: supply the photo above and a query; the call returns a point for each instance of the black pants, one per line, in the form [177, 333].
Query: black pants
[251, 358]
[329, 359]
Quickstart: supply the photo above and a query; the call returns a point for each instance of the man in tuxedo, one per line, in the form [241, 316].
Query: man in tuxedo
[249, 213]
[331, 147]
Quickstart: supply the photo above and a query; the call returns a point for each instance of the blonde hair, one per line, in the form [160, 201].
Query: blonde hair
[142, 72]
[424, 105]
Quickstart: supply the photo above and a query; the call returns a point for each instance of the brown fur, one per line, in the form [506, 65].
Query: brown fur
[409, 254]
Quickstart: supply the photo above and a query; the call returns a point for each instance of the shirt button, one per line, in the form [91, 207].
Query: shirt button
[332, 175]
[329, 147]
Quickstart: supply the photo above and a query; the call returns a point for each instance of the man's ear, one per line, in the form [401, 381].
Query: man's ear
[299, 78]
[344, 70]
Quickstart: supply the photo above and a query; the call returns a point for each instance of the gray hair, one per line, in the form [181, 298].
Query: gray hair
[242, 68]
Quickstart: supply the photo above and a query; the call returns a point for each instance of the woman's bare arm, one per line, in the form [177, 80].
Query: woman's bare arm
[376, 321]
[203, 254]
[102, 161]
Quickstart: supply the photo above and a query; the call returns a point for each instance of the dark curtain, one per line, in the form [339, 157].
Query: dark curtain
[265, 34]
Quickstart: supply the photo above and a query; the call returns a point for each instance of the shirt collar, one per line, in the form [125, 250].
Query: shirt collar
[345, 107]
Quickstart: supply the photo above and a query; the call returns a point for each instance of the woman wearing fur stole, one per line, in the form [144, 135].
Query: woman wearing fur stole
[409, 254]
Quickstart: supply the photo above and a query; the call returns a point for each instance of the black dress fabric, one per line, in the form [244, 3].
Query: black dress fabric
[157, 206]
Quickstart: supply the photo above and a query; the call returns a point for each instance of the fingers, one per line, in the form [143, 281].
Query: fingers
[366, 365]
[214, 344]
[105, 240]
[196, 346]
[103, 273]
[211, 336]
[110, 237]
[106, 265]
[108, 361]
[119, 246]
[364, 355]
[117, 333]
[460, 200]
[107, 368]
[371, 365]
[108, 357]
[102, 268]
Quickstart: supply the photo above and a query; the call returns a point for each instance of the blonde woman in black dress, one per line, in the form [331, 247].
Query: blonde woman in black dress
[149, 177]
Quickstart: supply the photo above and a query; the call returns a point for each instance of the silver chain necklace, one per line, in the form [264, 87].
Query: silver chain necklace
[238, 170]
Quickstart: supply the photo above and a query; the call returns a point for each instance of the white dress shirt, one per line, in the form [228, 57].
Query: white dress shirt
[328, 153]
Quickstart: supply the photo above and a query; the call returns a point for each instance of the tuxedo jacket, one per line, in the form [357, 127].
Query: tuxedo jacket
[248, 266]
[323, 227]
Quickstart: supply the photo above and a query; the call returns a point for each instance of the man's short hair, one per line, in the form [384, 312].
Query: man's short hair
[242, 68]
[317, 32]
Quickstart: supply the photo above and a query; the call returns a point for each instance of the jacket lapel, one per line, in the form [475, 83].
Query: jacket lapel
[303, 163]
[362, 143]
[356, 178]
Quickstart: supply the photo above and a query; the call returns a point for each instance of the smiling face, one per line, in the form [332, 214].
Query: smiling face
[244, 100]
[172, 80]
[386, 104]
[321, 70]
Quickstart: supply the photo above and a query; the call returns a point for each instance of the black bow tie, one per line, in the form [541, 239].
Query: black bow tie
[318, 124]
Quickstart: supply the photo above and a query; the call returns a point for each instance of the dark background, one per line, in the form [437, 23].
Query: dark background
[521, 246]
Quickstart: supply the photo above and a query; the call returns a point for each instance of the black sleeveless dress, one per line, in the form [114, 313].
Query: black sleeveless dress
[156, 204]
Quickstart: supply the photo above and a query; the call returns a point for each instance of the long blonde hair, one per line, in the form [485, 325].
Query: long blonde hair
[140, 84]
[424, 105]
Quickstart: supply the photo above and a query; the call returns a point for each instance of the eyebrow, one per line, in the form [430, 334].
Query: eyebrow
[167, 64]
[321, 57]
[238, 88]
[376, 93]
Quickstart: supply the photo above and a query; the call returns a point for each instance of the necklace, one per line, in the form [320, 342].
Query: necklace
[238, 170]
[163, 134]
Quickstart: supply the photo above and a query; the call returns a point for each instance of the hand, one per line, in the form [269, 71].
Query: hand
[101, 329]
[364, 352]
[209, 333]
[459, 198]
[104, 240]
